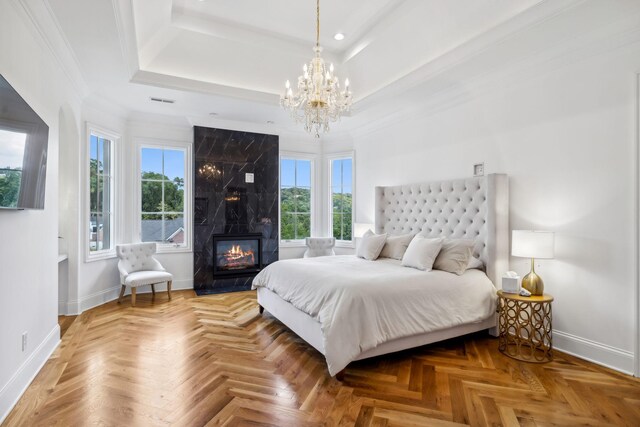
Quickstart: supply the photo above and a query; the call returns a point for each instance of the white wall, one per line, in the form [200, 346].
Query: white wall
[28, 255]
[567, 140]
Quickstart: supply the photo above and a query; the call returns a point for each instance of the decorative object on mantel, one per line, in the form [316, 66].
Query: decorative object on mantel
[319, 98]
[532, 244]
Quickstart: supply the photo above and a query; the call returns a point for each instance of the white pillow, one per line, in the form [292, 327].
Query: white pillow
[396, 246]
[454, 256]
[475, 263]
[371, 245]
[422, 252]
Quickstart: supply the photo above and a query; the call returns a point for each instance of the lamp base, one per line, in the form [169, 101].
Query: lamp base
[533, 283]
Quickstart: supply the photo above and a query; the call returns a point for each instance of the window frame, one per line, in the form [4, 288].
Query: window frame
[186, 147]
[100, 132]
[292, 155]
[330, 158]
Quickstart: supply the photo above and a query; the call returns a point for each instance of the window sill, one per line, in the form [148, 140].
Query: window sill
[300, 244]
[100, 256]
[173, 250]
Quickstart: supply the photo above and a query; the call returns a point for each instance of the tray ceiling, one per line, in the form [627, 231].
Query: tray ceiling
[245, 49]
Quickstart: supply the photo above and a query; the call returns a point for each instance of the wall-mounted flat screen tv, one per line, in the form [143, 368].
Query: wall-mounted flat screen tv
[24, 137]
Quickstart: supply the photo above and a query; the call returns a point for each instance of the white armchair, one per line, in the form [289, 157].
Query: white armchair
[319, 246]
[138, 267]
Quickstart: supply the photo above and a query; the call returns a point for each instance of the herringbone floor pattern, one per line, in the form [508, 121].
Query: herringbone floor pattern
[213, 360]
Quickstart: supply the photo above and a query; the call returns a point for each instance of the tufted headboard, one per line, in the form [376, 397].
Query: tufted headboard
[473, 208]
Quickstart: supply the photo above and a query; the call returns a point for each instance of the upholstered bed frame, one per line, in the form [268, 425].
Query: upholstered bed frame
[473, 208]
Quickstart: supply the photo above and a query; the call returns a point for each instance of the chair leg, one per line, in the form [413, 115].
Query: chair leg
[133, 296]
[153, 289]
[121, 293]
[169, 288]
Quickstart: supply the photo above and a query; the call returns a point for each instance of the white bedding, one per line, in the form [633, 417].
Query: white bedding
[361, 304]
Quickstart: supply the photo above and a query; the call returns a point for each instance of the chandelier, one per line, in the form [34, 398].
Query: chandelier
[318, 99]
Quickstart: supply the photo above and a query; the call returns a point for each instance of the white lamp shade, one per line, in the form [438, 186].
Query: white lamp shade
[359, 228]
[532, 244]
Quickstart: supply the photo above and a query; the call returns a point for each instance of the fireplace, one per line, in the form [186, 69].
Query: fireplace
[236, 254]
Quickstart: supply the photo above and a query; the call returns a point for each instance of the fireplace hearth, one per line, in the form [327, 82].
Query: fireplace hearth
[237, 255]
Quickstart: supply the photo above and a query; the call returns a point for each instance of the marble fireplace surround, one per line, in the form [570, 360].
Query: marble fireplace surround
[227, 202]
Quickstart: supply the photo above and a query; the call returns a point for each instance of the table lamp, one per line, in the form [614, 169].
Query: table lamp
[532, 244]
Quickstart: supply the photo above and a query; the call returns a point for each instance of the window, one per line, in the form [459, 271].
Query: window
[342, 198]
[163, 196]
[295, 198]
[101, 200]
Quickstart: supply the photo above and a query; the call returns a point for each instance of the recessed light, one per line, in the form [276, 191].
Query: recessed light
[270, 122]
[213, 114]
[339, 36]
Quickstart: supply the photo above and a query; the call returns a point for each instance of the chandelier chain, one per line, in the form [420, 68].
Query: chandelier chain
[318, 23]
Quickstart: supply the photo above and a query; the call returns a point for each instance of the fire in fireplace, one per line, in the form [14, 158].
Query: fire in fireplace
[236, 258]
[236, 254]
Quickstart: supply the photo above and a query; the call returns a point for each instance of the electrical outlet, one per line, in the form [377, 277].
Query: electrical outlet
[24, 341]
[248, 178]
[478, 169]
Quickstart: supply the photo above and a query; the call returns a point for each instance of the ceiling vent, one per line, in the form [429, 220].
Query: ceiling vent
[163, 100]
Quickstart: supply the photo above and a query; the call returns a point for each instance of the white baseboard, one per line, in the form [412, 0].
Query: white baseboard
[112, 293]
[18, 383]
[601, 354]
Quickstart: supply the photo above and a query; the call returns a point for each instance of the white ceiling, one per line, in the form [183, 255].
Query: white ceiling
[293, 20]
[232, 57]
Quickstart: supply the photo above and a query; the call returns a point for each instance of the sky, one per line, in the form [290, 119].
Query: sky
[152, 159]
[339, 168]
[11, 149]
[173, 162]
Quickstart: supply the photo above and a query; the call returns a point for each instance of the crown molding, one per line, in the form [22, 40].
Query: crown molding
[40, 18]
[125, 27]
[366, 34]
[173, 82]
[102, 104]
[497, 35]
[301, 137]
[182, 17]
[237, 32]
[491, 68]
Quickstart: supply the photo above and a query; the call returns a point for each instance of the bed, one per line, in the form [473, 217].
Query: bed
[349, 309]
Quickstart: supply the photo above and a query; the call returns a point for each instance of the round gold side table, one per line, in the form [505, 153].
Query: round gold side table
[525, 327]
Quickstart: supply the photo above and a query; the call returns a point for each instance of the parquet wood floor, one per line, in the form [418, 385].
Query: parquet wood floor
[212, 360]
[65, 322]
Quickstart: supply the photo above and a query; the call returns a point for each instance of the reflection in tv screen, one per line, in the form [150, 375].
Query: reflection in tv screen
[23, 152]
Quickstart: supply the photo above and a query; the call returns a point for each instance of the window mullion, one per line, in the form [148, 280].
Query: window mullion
[163, 224]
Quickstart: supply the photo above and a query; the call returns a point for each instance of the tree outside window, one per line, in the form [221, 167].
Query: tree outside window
[295, 199]
[342, 198]
[100, 187]
[162, 195]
